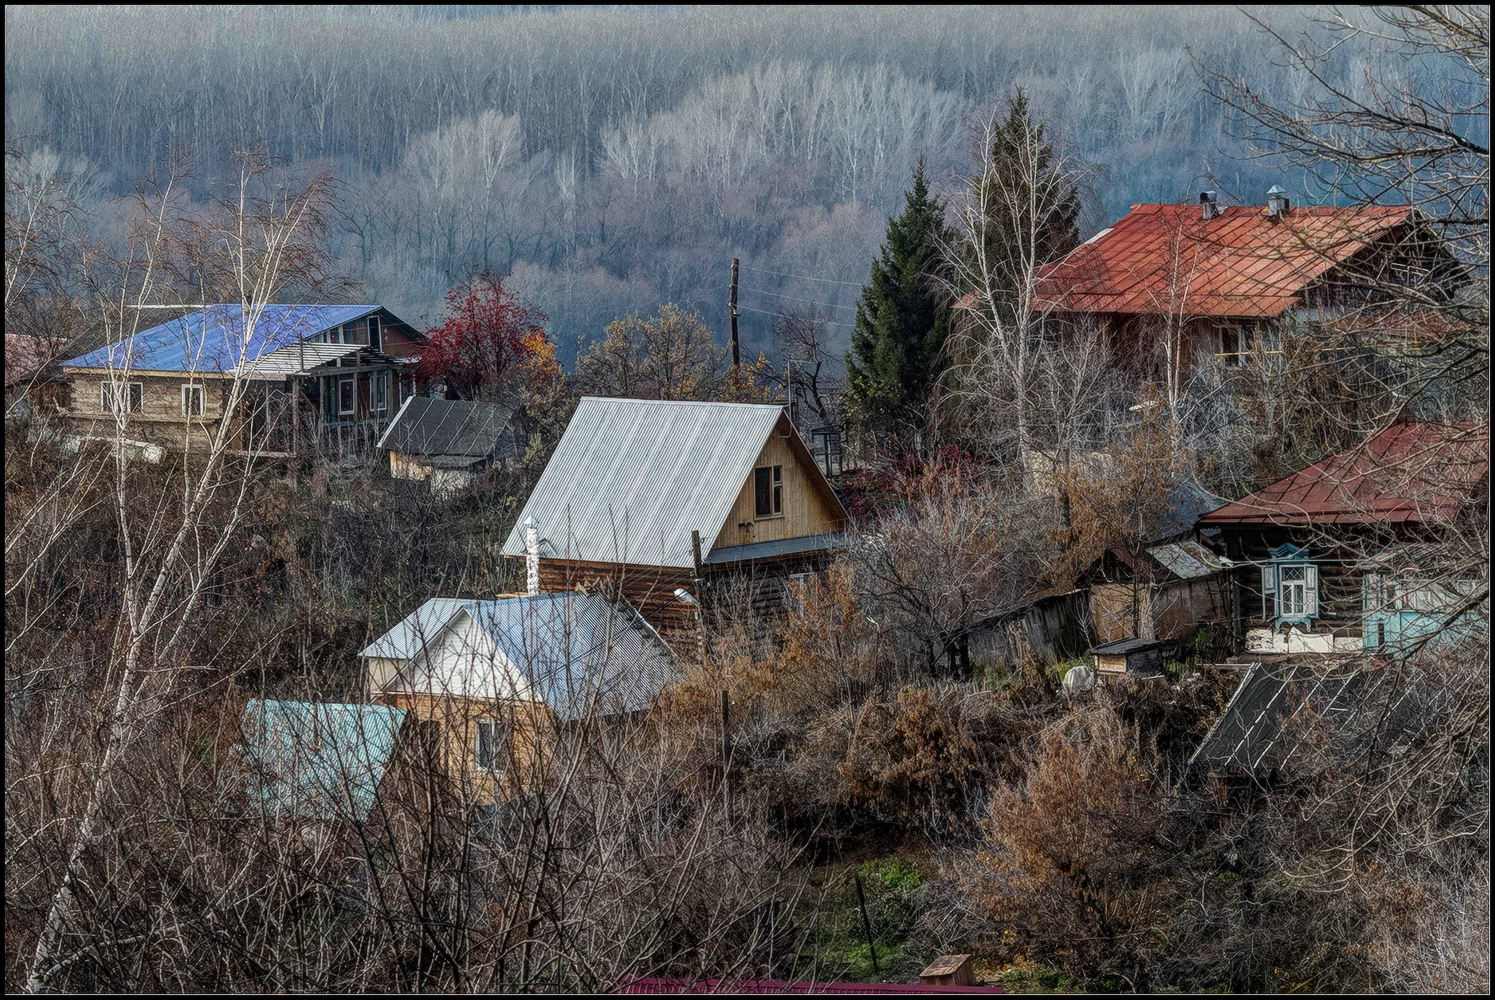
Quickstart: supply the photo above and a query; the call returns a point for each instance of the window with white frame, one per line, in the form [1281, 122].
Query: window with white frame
[121, 397]
[1290, 586]
[346, 396]
[381, 391]
[490, 751]
[192, 400]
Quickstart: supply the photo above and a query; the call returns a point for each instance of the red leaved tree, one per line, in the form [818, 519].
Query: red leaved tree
[487, 339]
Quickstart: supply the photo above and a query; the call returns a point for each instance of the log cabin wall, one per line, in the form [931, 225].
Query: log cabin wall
[160, 418]
[650, 590]
[1340, 576]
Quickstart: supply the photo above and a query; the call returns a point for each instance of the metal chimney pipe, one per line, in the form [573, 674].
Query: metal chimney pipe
[531, 555]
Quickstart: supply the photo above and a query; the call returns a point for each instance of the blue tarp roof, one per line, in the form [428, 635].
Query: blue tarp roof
[214, 339]
[316, 760]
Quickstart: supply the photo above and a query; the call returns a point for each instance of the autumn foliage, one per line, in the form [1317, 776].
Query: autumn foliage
[488, 339]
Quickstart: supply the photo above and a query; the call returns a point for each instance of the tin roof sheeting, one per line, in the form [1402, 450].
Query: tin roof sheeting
[1343, 710]
[776, 548]
[450, 428]
[218, 338]
[296, 359]
[1243, 263]
[632, 478]
[1408, 473]
[411, 634]
[1187, 560]
[575, 652]
[318, 761]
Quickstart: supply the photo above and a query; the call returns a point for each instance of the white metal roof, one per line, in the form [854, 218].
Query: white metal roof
[578, 653]
[632, 478]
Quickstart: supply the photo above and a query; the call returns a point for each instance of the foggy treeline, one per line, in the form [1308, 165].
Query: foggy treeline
[611, 160]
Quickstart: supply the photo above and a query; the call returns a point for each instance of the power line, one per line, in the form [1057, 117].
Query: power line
[796, 298]
[803, 277]
[770, 312]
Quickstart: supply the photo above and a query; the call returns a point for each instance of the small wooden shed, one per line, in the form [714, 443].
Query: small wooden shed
[949, 970]
[1139, 657]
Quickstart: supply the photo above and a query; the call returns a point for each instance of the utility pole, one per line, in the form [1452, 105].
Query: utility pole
[732, 302]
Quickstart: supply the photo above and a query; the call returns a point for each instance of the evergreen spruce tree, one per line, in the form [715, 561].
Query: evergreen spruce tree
[1023, 175]
[902, 317]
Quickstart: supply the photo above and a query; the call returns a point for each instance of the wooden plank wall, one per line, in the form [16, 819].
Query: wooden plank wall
[805, 510]
[455, 722]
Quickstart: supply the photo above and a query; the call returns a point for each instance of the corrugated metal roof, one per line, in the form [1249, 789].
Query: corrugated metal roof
[774, 548]
[316, 760]
[1243, 263]
[450, 428]
[1187, 560]
[578, 653]
[1408, 473]
[218, 338]
[416, 629]
[296, 359]
[1357, 707]
[632, 478]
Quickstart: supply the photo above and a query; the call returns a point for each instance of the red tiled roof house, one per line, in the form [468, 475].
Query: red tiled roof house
[1215, 281]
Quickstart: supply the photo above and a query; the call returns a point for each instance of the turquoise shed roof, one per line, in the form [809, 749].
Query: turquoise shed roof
[317, 760]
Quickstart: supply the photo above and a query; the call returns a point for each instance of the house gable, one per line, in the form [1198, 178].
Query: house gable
[807, 507]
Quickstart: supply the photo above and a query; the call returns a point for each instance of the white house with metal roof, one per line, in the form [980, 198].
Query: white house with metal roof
[495, 680]
[659, 499]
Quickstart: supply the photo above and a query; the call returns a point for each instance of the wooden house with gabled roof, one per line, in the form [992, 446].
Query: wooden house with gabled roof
[1349, 554]
[332, 374]
[1221, 282]
[667, 503]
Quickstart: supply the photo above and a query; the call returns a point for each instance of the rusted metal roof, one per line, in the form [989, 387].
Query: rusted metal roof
[1167, 259]
[632, 478]
[1408, 473]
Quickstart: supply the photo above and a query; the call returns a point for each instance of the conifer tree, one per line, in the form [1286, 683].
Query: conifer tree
[1032, 207]
[902, 317]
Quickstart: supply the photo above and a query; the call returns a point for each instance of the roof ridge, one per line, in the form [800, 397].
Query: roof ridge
[679, 402]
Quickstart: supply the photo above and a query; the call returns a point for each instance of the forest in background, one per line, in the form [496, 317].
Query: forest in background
[610, 160]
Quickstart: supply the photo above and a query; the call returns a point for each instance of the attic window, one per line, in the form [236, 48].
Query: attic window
[492, 744]
[374, 333]
[768, 491]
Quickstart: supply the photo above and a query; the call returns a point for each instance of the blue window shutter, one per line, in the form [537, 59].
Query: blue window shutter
[1268, 590]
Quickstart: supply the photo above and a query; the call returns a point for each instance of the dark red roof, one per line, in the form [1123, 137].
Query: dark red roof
[1167, 259]
[1408, 473]
[764, 986]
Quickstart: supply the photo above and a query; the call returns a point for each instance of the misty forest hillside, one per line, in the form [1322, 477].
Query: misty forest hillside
[611, 160]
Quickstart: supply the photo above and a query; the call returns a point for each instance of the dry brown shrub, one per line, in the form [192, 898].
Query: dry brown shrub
[1077, 852]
